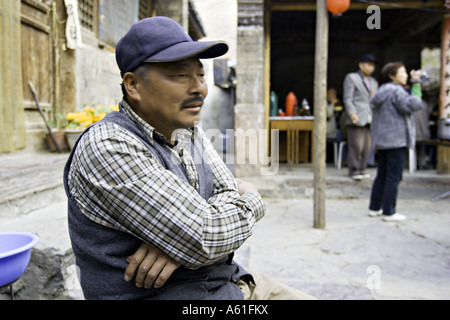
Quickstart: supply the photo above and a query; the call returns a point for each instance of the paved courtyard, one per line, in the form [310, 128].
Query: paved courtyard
[353, 257]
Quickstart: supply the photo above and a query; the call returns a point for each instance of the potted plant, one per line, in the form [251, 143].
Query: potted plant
[77, 122]
[57, 134]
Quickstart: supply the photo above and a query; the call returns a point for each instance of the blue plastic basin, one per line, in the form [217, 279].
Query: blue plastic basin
[15, 252]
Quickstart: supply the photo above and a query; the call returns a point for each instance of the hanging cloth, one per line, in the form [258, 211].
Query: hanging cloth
[73, 30]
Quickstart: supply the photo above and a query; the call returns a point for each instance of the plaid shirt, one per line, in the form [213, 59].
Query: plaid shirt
[118, 183]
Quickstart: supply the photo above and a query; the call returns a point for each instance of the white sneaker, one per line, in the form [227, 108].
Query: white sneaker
[394, 217]
[365, 175]
[375, 213]
[357, 177]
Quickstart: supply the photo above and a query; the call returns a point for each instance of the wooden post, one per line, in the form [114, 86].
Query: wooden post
[320, 87]
[443, 152]
[444, 99]
[267, 43]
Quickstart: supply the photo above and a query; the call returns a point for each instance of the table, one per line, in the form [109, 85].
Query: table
[299, 131]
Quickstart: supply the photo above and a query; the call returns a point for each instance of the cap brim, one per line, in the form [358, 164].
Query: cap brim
[184, 50]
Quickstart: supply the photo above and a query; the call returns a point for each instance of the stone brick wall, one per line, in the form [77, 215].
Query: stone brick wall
[249, 109]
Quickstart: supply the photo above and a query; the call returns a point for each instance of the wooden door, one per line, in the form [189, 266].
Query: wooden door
[37, 55]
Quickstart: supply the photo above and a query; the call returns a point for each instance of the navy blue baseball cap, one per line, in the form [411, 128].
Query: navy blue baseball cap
[161, 39]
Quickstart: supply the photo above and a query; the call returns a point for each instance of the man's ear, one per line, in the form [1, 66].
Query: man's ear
[130, 82]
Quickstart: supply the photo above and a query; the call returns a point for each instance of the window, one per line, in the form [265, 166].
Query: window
[88, 15]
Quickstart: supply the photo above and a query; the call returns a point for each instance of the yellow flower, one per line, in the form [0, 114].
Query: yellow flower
[89, 115]
[89, 110]
[71, 116]
[99, 116]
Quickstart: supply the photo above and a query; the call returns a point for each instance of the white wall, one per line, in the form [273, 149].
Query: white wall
[219, 21]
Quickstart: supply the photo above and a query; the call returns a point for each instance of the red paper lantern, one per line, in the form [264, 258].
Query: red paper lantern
[337, 7]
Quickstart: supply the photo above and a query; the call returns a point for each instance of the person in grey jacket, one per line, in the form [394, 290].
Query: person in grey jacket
[393, 132]
[358, 88]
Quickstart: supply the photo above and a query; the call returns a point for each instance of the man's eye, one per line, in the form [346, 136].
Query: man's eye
[180, 76]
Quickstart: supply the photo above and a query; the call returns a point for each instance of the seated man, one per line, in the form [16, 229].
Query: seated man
[149, 198]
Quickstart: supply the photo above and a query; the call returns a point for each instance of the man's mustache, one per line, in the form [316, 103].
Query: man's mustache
[193, 100]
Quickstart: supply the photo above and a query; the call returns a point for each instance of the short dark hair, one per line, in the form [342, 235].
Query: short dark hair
[142, 72]
[390, 69]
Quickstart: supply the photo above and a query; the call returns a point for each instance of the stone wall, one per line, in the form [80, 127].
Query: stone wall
[249, 109]
[98, 77]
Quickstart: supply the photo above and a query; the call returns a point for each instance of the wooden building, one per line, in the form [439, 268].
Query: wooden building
[275, 52]
[35, 49]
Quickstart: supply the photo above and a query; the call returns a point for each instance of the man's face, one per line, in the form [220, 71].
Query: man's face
[172, 95]
[367, 68]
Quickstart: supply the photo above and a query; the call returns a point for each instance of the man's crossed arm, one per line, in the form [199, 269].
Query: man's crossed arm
[152, 267]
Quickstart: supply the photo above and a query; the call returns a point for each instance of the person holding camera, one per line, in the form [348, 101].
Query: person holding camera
[393, 133]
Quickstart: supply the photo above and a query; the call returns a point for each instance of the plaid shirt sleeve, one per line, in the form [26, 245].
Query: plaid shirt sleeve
[118, 183]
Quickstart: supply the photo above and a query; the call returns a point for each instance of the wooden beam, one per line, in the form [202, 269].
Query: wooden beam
[310, 6]
[37, 5]
[35, 24]
[289, 6]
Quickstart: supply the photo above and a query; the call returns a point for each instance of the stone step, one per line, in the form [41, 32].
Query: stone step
[32, 199]
[28, 182]
[51, 273]
[298, 182]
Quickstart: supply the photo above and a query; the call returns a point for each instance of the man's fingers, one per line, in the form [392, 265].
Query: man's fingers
[134, 261]
[165, 274]
[154, 272]
[144, 269]
[161, 270]
[150, 266]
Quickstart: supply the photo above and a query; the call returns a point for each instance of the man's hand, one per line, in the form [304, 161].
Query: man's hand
[151, 267]
[354, 118]
[244, 186]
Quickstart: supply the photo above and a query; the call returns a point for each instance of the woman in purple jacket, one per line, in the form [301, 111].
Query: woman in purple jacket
[393, 132]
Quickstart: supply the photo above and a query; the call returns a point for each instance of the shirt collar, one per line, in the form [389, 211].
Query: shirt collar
[147, 129]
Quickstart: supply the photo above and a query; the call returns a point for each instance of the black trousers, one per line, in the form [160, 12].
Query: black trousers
[384, 192]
